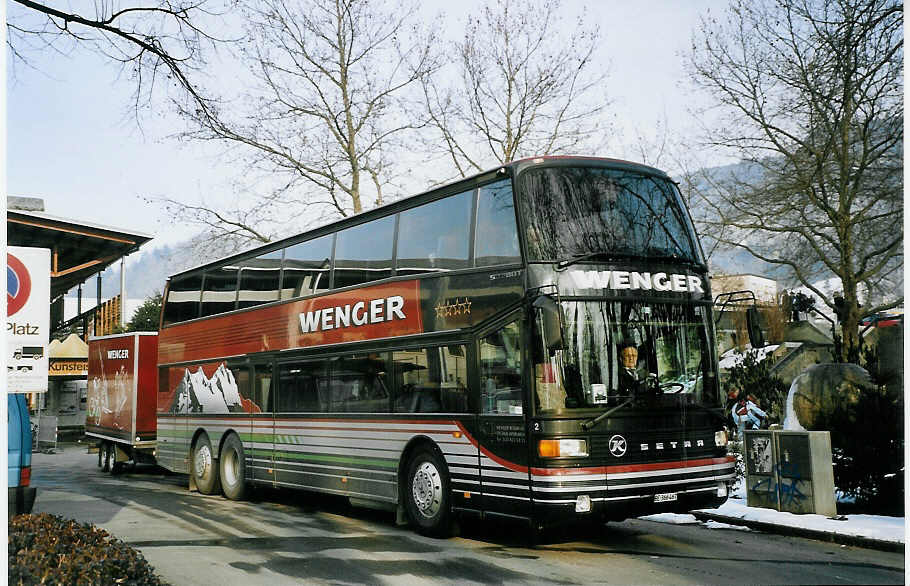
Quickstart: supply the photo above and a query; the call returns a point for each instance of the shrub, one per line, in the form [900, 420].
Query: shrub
[753, 376]
[47, 549]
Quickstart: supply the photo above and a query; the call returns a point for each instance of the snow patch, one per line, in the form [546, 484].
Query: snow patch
[869, 526]
[672, 518]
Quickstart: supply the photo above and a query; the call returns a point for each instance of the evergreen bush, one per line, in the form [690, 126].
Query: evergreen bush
[47, 549]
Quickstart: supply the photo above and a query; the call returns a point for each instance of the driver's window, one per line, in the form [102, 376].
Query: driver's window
[500, 371]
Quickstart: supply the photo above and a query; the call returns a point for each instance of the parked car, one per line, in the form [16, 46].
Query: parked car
[19, 448]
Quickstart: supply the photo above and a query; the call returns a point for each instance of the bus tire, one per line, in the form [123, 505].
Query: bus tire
[427, 494]
[205, 469]
[105, 456]
[232, 468]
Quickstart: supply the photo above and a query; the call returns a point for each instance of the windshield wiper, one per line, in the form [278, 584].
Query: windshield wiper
[567, 262]
[650, 254]
[586, 425]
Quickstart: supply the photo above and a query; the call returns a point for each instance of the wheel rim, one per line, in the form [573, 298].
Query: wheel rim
[230, 473]
[426, 490]
[203, 461]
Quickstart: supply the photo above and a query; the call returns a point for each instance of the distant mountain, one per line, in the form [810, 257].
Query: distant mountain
[146, 271]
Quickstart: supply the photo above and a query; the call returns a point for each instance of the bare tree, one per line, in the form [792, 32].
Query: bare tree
[325, 106]
[809, 93]
[523, 87]
[154, 42]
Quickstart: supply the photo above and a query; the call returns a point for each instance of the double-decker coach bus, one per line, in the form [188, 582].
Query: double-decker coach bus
[534, 342]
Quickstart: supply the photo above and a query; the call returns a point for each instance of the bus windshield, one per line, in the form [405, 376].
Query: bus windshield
[577, 211]
[611, 351]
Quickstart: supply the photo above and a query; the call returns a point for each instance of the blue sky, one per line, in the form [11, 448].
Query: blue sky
[72, 141]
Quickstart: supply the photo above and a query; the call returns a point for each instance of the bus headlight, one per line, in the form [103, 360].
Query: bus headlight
[562, 448]
[720, 438]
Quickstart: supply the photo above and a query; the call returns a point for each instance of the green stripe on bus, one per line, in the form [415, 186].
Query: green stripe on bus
[307, 457]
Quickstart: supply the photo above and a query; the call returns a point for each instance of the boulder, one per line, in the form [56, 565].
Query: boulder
[823, 392]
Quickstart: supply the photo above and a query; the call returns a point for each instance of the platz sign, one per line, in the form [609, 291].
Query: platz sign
[28, 293]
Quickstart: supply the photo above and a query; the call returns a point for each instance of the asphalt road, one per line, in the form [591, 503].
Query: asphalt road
[285, 537]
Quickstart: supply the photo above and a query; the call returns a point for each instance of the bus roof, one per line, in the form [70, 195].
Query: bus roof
[508, 169]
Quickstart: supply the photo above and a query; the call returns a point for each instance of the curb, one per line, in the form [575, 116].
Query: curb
[830, 536]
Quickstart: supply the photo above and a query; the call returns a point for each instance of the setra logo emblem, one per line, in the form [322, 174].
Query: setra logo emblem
[618, 445]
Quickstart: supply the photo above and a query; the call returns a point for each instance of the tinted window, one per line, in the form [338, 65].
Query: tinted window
[364, 253]
[259, 279]
[435, 236]
[500, 371]
[358, 384]
[263, 395]
[496, 240]
[431, 380]
[219, 290]
[572, 211]
[303, 387]
[306, 267]
[241, 376]
[182, 300]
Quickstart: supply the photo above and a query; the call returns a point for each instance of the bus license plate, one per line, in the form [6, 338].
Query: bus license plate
[665, 497]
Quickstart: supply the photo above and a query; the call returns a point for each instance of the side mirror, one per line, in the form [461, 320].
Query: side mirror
[551, 321]
[756, 337]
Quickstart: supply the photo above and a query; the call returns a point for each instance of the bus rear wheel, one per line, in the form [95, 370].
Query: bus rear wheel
[232, 467]
[205, 472]
[427, 494]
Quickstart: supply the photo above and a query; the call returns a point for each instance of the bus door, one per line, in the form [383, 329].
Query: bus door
[259, 446]
[502, 431]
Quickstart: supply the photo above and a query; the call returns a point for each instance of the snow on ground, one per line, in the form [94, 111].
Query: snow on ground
[687, 519]
[870, 526]
[672, 518]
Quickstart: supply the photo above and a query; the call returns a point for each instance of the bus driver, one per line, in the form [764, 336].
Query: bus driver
[631, 379]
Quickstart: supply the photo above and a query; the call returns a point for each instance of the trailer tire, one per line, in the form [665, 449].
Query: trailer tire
[427, 495]
[233, 468]
[106, 459]
[204, 466]
[101, 454]
[115, 466]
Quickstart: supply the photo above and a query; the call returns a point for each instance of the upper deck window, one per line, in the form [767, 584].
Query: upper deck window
[219, 290]
[306, 267]
[496, 240]
[435, 236]
[259, 279]
[573, 211]
[364, 253]
[182, 301]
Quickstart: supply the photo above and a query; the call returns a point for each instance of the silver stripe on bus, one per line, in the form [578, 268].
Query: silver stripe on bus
[668, 482]
[506, 474]
[570, 478]
[507, 496]
[668, 471]
[461, 459]
[505, 485]
[461, 470]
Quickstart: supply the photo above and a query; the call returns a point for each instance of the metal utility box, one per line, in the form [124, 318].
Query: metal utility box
[790, 471]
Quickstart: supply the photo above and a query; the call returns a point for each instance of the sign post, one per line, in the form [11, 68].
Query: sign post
[28, 292]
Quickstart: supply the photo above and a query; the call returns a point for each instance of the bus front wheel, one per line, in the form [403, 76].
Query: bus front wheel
[233, 473]
[427, 494]
[205, 472]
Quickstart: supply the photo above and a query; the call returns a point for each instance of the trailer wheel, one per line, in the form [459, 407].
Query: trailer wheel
[115, 466]
[232, 467]
[427, 494]
[205, 470]
[101, 454]
[106, 460]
